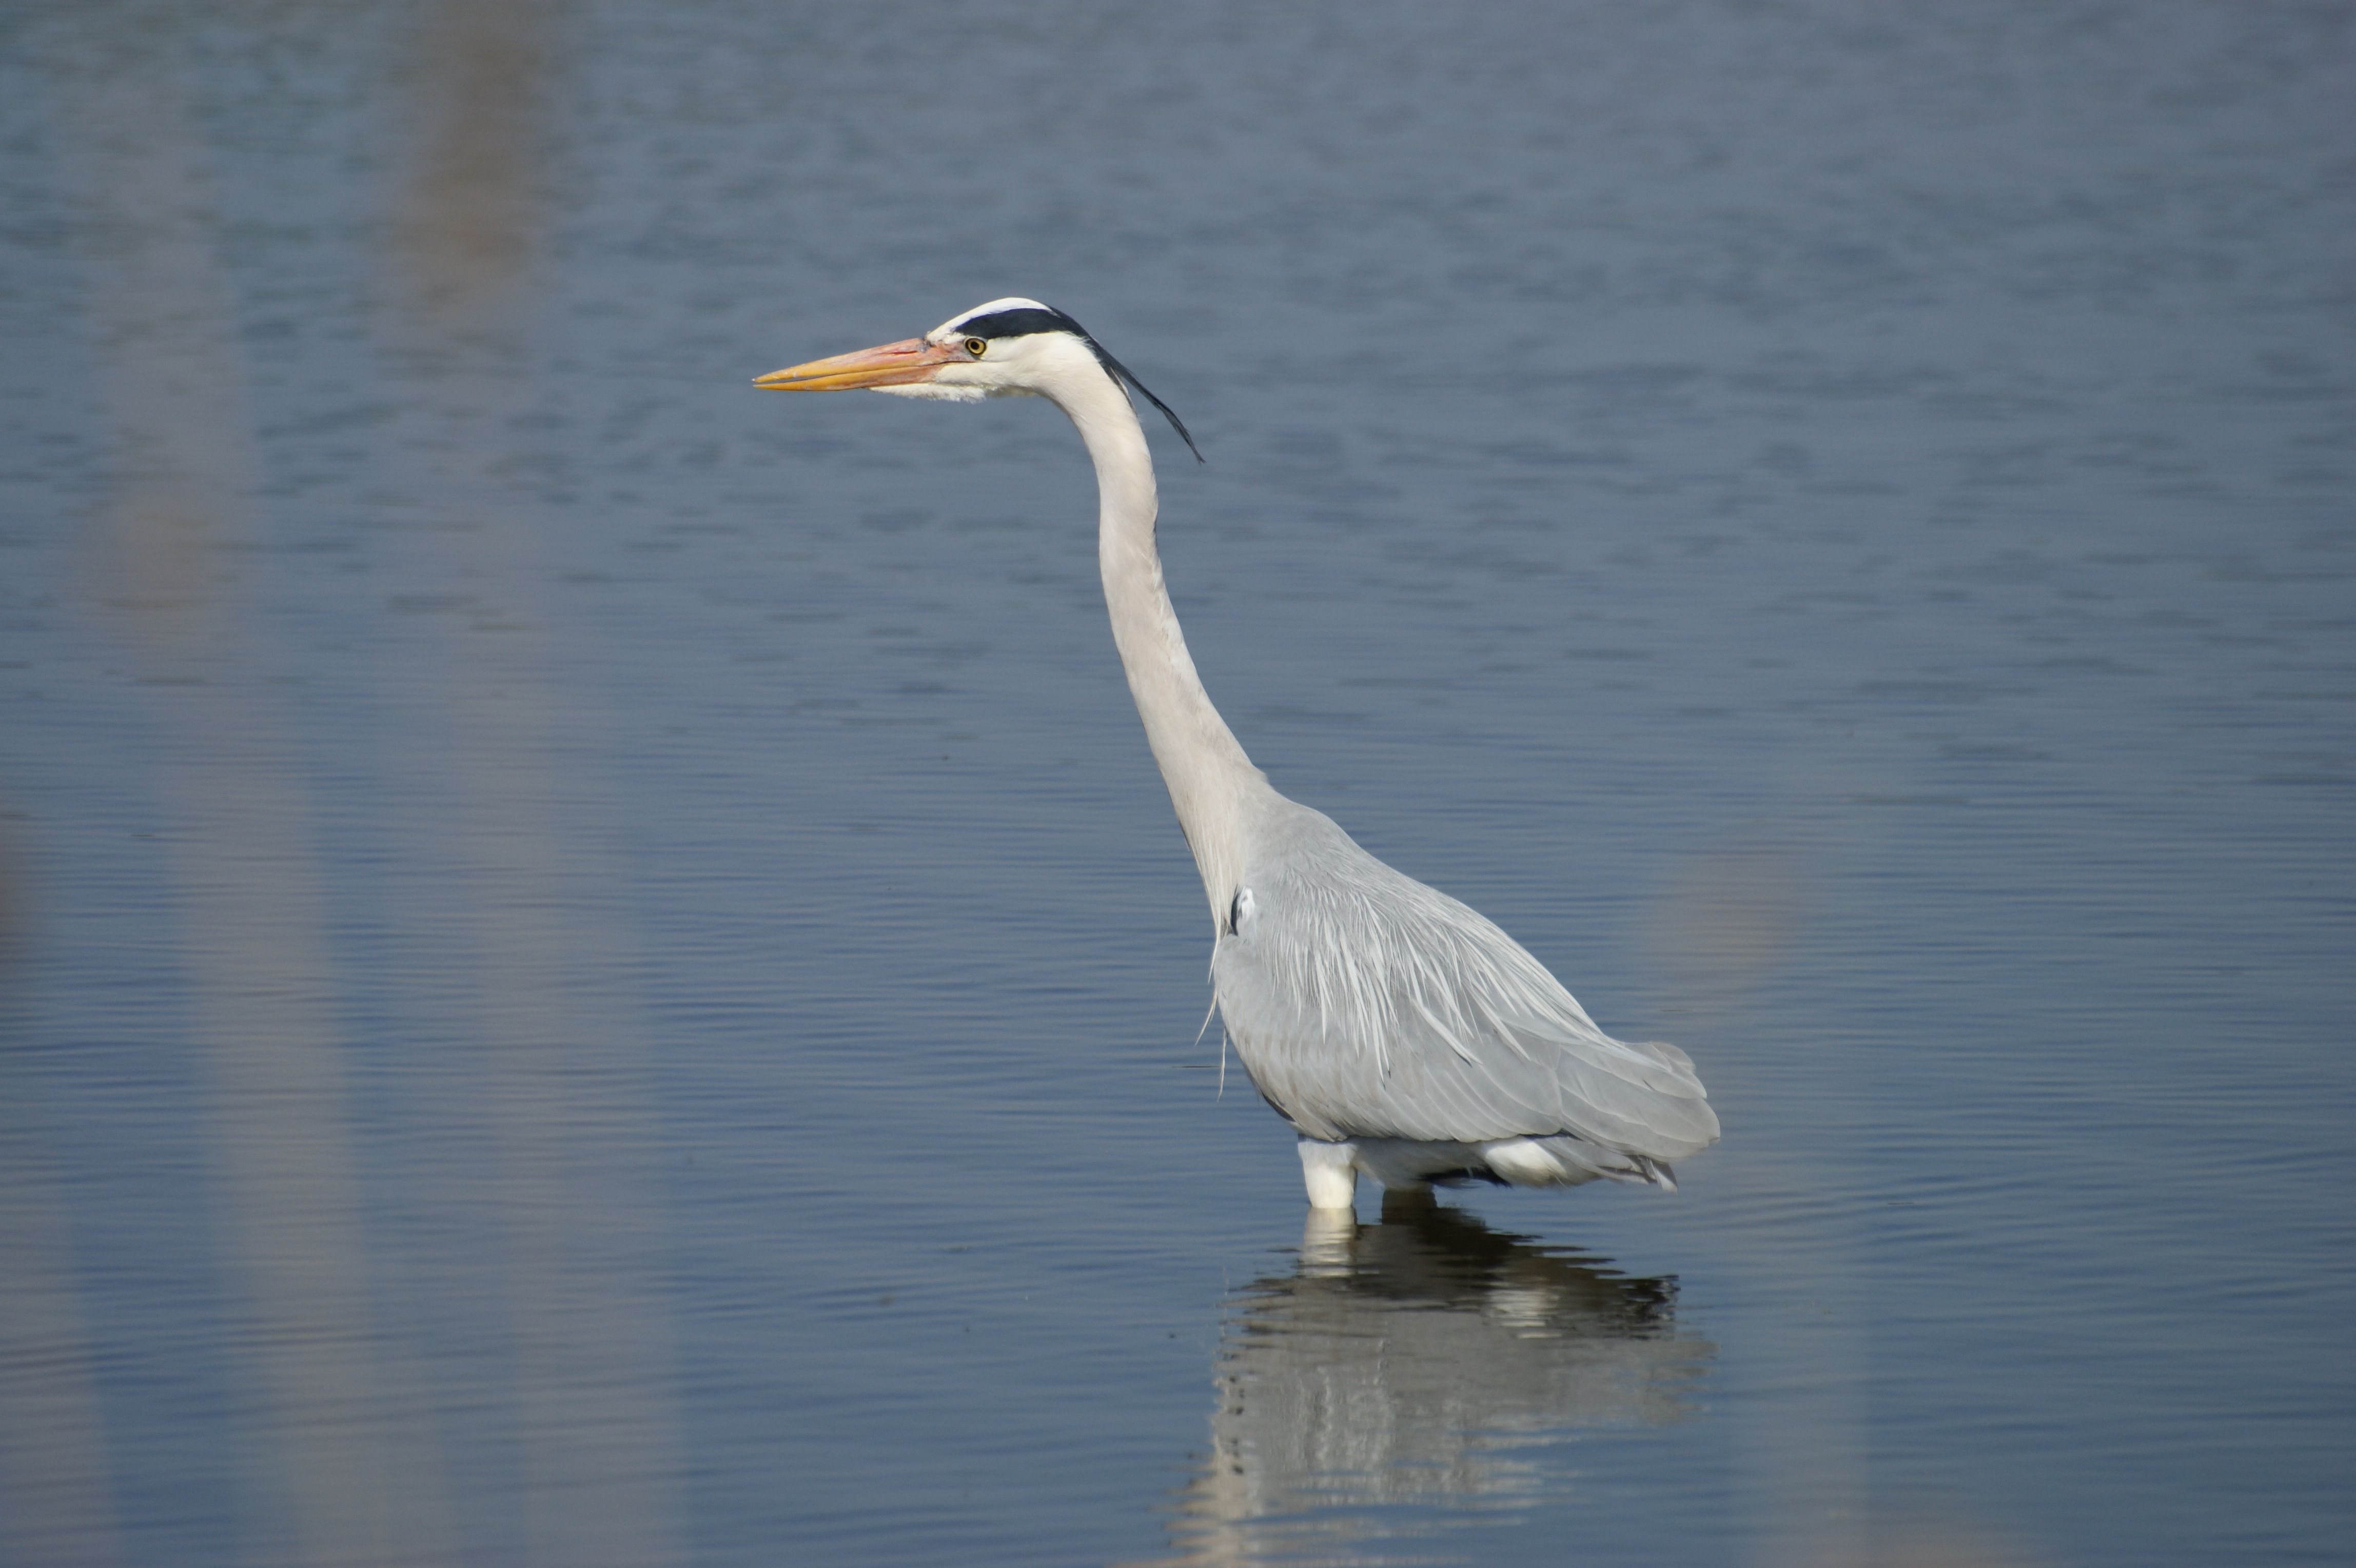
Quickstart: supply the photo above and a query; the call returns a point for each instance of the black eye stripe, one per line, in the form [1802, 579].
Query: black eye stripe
[1024, 321]
[1019, 324]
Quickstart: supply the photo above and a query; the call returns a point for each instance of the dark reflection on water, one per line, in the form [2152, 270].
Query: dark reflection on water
[1425, 1363]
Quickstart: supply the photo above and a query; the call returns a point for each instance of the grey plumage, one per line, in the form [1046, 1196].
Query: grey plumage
[1367, 1006]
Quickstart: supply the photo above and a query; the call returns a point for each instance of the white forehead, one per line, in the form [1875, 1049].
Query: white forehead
[1012, 302]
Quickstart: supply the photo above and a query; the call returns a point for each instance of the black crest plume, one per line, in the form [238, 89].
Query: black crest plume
[1022, 322]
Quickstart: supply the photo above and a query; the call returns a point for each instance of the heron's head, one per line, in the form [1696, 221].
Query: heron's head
[1008, 347]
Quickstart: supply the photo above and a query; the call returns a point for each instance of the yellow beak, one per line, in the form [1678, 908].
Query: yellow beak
[885, 365]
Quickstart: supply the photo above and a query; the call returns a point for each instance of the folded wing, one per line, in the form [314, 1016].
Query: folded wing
[1366, 1004]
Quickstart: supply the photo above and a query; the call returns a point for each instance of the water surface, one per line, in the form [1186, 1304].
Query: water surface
[597, 971]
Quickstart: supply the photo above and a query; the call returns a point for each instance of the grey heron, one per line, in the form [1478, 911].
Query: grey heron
[1400, 1033]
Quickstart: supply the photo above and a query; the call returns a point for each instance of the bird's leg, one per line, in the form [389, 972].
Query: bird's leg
[1330, 1172]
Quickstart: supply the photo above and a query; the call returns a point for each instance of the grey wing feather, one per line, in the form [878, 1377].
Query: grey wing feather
[1366, 1004]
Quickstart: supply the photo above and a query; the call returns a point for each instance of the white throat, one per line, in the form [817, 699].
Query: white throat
[1213, 785]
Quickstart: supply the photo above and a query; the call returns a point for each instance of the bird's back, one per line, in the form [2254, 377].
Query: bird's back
[1368, 1006]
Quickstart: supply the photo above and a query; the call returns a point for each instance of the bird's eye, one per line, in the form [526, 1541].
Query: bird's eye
[976, 346]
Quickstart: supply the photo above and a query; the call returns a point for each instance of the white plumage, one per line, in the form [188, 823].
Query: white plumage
[1401, 1032]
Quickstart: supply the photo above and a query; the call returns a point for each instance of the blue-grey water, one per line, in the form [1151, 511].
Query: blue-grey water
[595, 969]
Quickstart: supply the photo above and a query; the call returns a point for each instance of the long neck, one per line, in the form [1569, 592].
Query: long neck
[1212, 783]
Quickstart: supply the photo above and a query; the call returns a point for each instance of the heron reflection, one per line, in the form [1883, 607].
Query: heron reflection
[1424, 1366]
